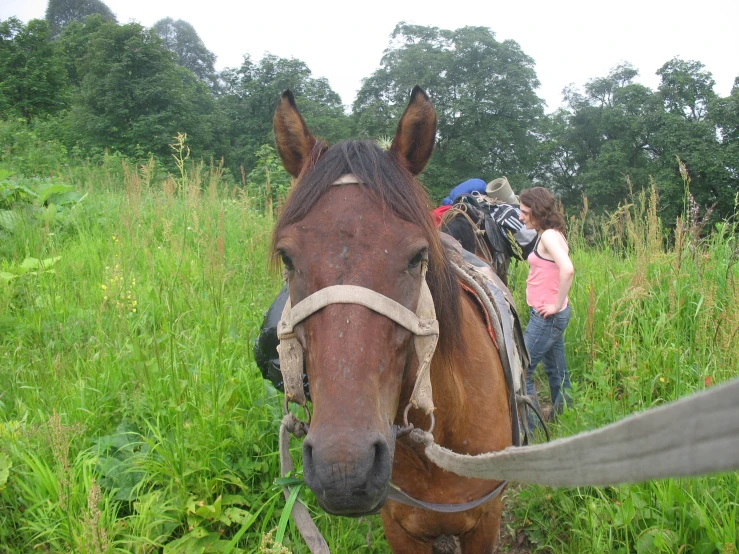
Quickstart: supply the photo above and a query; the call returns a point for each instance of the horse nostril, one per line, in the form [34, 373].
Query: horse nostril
[307, 457]
[381, 464]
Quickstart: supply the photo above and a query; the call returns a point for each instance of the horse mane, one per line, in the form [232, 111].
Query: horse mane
[395, 189]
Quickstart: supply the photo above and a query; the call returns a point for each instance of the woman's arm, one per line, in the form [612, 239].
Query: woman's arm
[557, 248]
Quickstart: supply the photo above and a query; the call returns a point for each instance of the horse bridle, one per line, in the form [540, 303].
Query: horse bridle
[422, 324]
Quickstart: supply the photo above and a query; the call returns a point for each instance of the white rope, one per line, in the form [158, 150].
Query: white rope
[696, 435]
[302, 518]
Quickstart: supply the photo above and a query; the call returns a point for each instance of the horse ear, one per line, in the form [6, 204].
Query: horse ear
[294, 141]
[414, 140]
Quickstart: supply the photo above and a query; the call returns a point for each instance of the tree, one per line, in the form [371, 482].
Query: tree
[601, 142]
[33, 78]
[181, 38]
[484, 94]
[725, 115]
[724, 112]
[562, 157]
[134, 98]
[619, 130]
[687, 130]
[686, 88]
[60, 13]
[249, 98]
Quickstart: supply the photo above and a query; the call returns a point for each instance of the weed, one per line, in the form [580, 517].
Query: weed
[154, 431]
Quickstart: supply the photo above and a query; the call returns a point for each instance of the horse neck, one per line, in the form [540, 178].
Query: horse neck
[469, 388]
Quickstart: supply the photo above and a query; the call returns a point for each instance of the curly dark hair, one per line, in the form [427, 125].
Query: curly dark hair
[544, 209]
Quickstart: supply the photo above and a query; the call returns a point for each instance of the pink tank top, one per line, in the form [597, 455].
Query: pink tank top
[542, 285]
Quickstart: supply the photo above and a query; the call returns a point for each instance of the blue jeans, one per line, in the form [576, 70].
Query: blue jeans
[544, 340]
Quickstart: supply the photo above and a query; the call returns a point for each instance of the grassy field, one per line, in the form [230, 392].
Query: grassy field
[133, 418]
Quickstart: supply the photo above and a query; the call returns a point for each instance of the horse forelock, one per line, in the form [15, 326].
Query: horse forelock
[395, 189]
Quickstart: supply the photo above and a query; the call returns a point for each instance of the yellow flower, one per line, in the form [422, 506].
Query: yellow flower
[662, 379]
[103, 287]
[134, 310]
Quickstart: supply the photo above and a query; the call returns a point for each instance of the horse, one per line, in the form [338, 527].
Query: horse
[470, 222]
[358, 216]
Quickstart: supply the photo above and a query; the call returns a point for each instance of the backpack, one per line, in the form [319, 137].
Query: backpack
[502, 225]
[520, 241]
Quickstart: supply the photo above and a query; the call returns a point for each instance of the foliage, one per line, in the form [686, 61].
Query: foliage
[619, 134]
[268, 182]
[182, 39]
[133, 97]
[101, 88]
[133, 418]
[15, 191]
[45, 200]
[60, 13]
[29, 266]
[686, 89]
[250, 96]
[484, 94]
[23, 149]
[33, 81]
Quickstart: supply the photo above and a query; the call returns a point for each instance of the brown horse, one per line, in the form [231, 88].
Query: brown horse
[375, 232]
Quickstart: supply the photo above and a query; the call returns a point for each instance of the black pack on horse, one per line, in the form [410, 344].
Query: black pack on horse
[489, 229]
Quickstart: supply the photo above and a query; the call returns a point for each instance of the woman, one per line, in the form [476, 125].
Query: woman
[547, 289]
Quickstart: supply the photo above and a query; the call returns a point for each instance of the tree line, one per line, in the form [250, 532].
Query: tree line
[93, 84]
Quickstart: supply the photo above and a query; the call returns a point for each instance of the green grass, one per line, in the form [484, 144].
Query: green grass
[133, 418]
[650, 324]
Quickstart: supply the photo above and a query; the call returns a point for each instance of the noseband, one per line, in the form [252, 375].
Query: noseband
[422, 324]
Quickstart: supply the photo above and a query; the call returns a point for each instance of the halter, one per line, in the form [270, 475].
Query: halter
[422, 324]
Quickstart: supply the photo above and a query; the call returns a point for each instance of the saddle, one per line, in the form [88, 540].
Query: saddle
[496, 301]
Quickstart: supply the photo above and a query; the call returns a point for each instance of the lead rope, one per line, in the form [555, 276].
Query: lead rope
[302, 518]
[695, 435]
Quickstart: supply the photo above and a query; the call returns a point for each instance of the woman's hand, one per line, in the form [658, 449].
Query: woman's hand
[547, 310]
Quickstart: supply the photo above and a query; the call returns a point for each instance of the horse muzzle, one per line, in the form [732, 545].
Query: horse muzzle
[348, 475]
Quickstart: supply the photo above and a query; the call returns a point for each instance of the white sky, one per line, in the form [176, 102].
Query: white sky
[571, 41]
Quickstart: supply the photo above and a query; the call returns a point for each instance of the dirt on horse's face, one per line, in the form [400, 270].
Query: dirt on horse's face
[356, 359]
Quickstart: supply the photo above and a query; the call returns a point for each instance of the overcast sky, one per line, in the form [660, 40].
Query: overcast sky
[571, 41]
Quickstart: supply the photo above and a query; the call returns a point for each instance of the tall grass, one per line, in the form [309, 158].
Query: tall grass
[651, 323]
[133, 419]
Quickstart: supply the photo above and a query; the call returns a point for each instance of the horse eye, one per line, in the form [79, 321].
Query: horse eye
[421, 256]
[287, 261]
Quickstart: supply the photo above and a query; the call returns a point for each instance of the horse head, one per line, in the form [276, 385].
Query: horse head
[357, 217]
